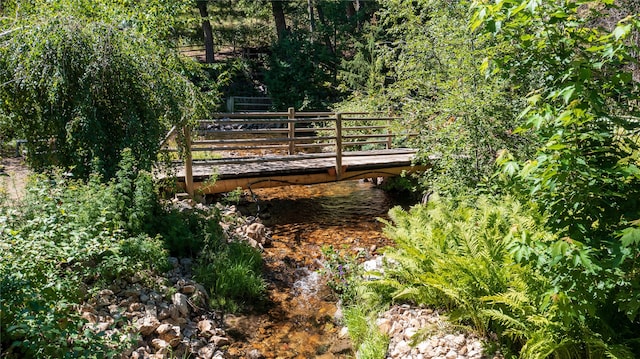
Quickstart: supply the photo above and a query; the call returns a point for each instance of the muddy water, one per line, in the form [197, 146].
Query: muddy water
[299, 321]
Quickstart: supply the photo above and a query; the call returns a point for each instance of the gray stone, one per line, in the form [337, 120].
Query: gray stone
[255, 354]
[181, 302]
[159, 344]
[207, 351]
[219, 341]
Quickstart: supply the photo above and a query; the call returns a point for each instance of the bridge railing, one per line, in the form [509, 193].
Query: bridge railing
[231, 138]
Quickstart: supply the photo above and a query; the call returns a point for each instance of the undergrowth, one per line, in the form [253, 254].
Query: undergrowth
[68, 238]
[466, 258]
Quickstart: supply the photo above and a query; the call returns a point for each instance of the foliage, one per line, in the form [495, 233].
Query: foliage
[299, 74]
[185, 232]
[421, 63]
[80, 87]
[232, 274]
[342, 272]
[583, 111]
[66, 240]
[364, 333]
[467, 258]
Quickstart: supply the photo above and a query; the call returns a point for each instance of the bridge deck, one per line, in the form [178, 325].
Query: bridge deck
[272, 170]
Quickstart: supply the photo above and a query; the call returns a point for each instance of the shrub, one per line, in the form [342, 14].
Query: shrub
[67, 239]
[81, 90]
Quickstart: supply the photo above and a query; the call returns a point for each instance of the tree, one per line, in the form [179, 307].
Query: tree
[207, 31]
[421, 62]
[583, 111]
[80, 90]
[278, 17]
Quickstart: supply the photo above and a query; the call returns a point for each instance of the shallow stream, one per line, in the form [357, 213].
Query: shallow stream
[299, 320]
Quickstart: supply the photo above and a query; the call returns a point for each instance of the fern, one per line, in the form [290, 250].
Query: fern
[470, 259]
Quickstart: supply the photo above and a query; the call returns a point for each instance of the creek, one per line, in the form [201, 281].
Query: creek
[299, 319]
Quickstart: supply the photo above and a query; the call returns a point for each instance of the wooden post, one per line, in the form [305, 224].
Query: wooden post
[292, 131]
[188, 162]
[389, 142]
[338, 146]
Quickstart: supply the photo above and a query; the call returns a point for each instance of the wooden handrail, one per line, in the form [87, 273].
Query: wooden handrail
[284, 138]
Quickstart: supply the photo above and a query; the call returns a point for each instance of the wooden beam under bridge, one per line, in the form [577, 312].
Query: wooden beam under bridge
[228, 185]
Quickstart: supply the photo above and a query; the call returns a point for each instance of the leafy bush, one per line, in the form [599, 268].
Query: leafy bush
[578, 65]
[298, 74]
[422, 63]
[342, 272]
[67, 239]
[364, 332]
[187, 232]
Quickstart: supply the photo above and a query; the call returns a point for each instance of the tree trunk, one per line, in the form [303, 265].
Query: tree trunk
[323, 21]
[351, 10]
[312, 20]
[208, 32]
[278, 17]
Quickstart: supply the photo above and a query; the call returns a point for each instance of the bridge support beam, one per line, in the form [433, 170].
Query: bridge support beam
[228, 185]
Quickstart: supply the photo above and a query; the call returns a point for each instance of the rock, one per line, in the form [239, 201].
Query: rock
[102, 326]
[187, 263]
[159, 344]
[401, 349]
[384, 325]
[90, 317]
[207, 351]
[166, 312]
[189, 289]
[344, 332]
[173, 261]
[135, 307]
[423, 347]
[144, 297]
[147, 325]
[105, 293]
[180, 301]
[156, 297]
[255, 354]
[342, 346]
[409, 333]
[219, 341]
[170, 334]
[258, 232]
[206, 328]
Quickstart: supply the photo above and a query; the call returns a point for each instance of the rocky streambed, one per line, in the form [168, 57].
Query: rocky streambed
[166, 316]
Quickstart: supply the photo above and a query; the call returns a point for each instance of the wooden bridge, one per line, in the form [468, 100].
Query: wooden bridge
[253, 150]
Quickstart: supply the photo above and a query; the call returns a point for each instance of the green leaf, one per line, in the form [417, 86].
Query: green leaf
[567, 92]
[621, 31]
[630, 236]
[511, 168]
